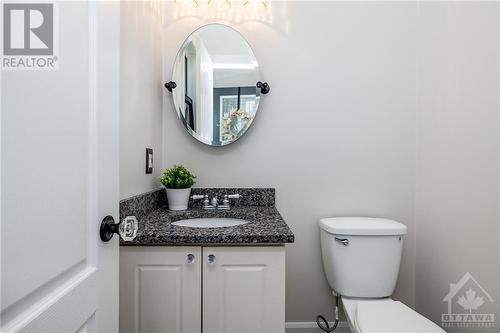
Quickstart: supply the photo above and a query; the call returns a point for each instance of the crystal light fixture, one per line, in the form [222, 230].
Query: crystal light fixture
[220, 3]
[234, 11]
[255, 2]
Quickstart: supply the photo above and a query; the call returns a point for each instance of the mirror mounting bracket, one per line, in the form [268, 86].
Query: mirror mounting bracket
[264, 87]
[170, 85]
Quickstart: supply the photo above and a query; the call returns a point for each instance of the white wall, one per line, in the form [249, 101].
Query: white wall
[457, 206]
[335, 136]
[141, 97]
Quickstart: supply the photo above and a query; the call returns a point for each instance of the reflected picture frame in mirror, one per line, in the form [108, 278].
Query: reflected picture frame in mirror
[216, 85]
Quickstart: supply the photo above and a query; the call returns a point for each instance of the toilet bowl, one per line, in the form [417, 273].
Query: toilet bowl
[385, 315]
[361, 259]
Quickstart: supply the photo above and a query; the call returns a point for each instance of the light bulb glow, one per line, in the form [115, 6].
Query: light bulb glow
[236, 11]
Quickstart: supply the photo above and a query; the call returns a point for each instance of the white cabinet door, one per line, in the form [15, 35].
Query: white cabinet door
[59, 175]
[244, 289]
[160, 289]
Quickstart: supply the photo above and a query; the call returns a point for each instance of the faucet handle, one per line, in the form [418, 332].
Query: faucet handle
[225, 202]
[206, 202]
[214, 201]
[197, 196]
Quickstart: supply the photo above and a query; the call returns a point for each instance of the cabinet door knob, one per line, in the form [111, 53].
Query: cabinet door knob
[190, 258]
[211, 258]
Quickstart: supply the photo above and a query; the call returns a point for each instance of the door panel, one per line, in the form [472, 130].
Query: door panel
[57, 131]
[244, 289]
[159, 298]
[160, 291]
[67, 314]
[43, 129]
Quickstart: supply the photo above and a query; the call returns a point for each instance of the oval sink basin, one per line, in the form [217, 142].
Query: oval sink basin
[209, 222]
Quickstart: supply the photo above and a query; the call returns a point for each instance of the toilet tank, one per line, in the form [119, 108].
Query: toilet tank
[362, 255]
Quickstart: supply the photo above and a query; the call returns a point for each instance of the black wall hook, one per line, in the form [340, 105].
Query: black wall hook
[170, 85]
[264, 87]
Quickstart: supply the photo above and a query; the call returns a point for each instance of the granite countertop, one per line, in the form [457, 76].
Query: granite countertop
[266, 225]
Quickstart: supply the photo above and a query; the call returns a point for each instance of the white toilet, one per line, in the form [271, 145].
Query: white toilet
[361, 257]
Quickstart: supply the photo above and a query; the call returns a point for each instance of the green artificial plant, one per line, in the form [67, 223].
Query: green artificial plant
[177, 177]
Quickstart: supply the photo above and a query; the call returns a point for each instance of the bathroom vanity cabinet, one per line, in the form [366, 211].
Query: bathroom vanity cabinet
[194, 279]
[210, 289]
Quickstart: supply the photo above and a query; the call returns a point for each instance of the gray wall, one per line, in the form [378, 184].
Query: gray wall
[336, 135]
[141, 97]
[382, 110]
[457, 202]
[375, 109]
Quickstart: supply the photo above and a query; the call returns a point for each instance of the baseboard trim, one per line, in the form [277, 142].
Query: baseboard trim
[312, 327]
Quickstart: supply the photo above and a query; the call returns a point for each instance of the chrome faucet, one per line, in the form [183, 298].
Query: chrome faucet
[225, 202]
[214, 203]
[206, 203]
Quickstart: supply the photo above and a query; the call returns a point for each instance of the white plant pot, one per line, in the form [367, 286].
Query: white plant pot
[178, 198]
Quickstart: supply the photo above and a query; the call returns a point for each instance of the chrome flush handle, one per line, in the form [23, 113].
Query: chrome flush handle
[344, 241]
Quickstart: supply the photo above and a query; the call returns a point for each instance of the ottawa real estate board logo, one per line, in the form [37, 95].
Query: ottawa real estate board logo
[30, 36]
[468, 304]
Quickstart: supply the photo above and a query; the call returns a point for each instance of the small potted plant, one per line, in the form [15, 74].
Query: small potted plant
[178, 181]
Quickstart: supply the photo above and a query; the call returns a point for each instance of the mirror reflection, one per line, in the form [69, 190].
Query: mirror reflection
[216, 97]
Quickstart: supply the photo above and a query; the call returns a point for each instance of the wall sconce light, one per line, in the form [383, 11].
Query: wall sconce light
[255, 2]
[227, 2]
[187, 2]
[218, 2]
[227, 10]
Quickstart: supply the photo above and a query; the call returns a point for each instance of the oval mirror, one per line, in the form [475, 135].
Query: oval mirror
[216, 95]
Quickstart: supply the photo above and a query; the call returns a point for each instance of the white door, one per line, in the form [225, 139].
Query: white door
[244, 289]
[160, 289]
[59, 179]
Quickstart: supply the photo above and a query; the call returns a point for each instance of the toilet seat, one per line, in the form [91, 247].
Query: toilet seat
[386, 316]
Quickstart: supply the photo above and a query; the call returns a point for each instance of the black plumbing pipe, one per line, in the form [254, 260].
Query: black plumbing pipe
[323, 323]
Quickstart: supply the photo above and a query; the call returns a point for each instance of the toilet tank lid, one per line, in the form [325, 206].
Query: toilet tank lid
[362, 226]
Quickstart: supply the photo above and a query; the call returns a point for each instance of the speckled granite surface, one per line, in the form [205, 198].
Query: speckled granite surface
[266, 224]
[143, 204]
[249, 196]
